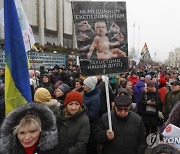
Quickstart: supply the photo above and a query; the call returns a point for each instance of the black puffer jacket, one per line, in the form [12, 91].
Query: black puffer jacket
[9, 143]
[73, 131]
[129, 134]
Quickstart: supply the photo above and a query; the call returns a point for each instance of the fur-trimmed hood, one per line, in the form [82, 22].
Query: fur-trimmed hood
[49, 133]
[174, 117]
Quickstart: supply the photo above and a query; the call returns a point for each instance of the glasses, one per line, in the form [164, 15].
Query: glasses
[125, 109]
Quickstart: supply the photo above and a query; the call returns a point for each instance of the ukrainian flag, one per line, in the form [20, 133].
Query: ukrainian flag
[17, 85]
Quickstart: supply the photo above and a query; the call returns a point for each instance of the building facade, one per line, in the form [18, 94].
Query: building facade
[51, 22]
[174, 58]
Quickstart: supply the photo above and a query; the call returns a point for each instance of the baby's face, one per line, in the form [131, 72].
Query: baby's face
[100, 28]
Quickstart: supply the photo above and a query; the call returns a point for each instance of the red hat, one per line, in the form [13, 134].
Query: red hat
[73, 96]
[162, 81]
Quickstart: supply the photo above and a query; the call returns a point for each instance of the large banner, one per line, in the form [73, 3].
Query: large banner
[101, 31]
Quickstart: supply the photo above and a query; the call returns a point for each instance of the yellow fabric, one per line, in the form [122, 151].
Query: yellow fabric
[13, 98]
[42, 95]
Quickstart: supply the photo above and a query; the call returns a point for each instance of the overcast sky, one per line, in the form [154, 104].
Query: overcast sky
[159, 22]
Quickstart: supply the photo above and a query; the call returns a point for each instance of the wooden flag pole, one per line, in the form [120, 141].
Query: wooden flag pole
[106, 80]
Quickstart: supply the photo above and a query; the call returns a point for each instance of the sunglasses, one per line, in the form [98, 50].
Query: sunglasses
[125, 109]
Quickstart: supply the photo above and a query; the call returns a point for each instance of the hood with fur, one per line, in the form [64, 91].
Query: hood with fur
[49, 134]
[174, 117]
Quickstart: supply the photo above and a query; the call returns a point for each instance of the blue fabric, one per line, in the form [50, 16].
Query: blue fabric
[15, 53]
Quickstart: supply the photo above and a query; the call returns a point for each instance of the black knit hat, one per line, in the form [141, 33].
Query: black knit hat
[64, 88]
[122, 100]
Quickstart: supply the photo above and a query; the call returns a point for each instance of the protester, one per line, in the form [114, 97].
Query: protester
[138, 89]
[2, 104]
[171, 98]
[56, 75]
[150, 106]
[43, 96]
[42, 71]
[174, 117]
[46, 83]
[91, 100]
[128, 132]
[78, 86]
[133, 77]
[29, 129]
[33, 82]
[165, 149]
[61, 91]
[2, 74]
[103, 99]
[73, 124]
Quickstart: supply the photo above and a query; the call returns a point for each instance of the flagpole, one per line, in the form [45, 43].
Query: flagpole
[134, 35]
[139, 40]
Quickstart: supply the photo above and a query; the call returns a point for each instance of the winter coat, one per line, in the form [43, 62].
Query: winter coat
[174, 117]
[103, 102]
[129, 134]
[49, 86]
[48, 141]
[171, 98]
[2, 105]
[138, 89]
[73, 131]
[150, 118]
[91, 100]
[134, 80]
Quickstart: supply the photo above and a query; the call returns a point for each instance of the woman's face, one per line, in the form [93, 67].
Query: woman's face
[129, 85]
[45, 79]
[58, 93]
[28, 135]
[73, 107]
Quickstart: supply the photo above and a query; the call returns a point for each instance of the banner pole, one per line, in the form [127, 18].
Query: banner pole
[108, 101]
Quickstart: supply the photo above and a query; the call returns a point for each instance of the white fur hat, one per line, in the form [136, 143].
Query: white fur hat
[90, 82]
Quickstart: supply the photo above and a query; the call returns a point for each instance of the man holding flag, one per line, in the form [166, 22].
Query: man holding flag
[17, 85]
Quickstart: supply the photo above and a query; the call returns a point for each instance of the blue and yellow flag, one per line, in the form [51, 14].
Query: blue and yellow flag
[17, 85]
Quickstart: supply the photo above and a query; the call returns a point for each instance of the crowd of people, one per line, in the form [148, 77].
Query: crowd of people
[68, 114]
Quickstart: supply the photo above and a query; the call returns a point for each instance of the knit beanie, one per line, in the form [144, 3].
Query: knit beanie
[64, 88]
[148, 77]
[73, 96]
[90, 82]
[162, 81]
[42, 95]
[123, 100]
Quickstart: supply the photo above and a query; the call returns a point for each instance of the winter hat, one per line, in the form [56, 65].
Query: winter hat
[90, 82]
[47, 75]
[175, 82]
[162, 81]
[148, 77]
[73, 96]
[42, 95]
[150, 83]
[57, 84]
[122, 100]
[64, 88]
[56, 67]
[123, 91]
